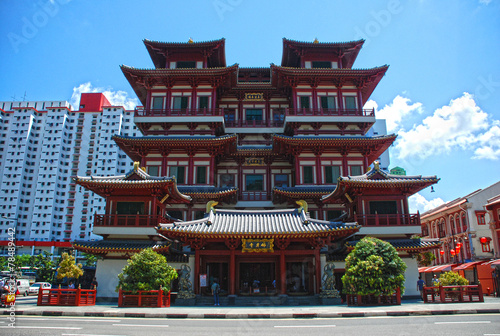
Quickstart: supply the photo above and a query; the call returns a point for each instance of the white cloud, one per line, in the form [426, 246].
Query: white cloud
[418, 202]
[490, 144]
[485, 2]
[396, 111]
[458, 125]
[116, 98]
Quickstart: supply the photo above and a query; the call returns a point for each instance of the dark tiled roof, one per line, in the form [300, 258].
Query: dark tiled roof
[409, 245]
[246, 223]
[120, 245]
[305, 190]
[207, 191]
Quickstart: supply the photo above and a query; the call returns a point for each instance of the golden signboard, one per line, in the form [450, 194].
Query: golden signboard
[254, 162]
[254, 96]
[257, 245]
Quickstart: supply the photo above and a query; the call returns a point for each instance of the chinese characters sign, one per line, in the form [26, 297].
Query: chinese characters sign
[257, 245]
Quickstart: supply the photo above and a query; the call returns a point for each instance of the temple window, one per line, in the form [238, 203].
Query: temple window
[480, 215]
[305, 102]
[227, 180]
[179, 173]
[186, 64]
[332, 173]
[203, 102]
[355, 170]
[229, 118]
[333, 214]
[281, 180]
[321, 64]
[130, 208]
[157, 103]
[180, 102]
[254, 182]
[201, 175]
[328, 102]
[350, 102]
[308, 176]
[253, 114]
[154, 170]
[383, 207]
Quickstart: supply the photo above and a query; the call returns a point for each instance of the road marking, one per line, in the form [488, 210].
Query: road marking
[141, 325]
[307, 326]
[88, 335]
[39, 327]
[462, 322]
[66, 319]
[491, 334]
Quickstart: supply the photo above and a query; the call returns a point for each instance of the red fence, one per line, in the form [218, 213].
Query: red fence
[154, 298]
[388, 220]
[129, 220]
[450, 294]
[374, 300]
[66, 297]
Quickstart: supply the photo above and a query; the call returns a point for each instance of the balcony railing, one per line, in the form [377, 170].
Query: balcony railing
[254, 196]
[388, 220]
[331, 112]
[253, 123]
[186, 112]
[129, 220]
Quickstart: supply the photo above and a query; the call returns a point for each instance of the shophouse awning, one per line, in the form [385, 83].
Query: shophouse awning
[493, 263]
[468, 265]
[438, 268]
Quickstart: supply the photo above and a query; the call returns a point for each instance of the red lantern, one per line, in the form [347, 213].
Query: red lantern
[483, 240]
[452, 252]
[441, 252]
[459, 245]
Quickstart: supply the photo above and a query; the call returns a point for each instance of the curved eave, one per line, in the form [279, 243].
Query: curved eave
[106, 250]
[212, 195]
[408, 249]
[299, 194]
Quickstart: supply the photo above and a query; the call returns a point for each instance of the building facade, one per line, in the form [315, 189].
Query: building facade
[254, 175]
[44, 144]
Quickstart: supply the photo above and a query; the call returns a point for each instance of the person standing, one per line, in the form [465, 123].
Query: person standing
[215, 292]
[435, 281]
[420, 286]
[94, 284]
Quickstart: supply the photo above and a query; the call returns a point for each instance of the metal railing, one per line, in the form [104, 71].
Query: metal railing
[388, 219]
[255, 196]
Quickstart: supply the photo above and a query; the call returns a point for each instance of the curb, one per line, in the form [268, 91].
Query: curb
[258, 316]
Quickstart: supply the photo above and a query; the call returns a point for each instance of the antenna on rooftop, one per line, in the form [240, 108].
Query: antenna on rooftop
[13, 97]
[24, 97]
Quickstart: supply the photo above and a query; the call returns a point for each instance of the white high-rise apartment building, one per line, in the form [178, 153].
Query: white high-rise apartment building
[42, 146]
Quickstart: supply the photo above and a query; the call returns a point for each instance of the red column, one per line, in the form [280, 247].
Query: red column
[190, 179]
[318, 169]
[214, 98]
[232, 273]
[282, 272]
[315, 98]
[340, 98]
[297, 171]
[240, 112]
[164, 171]
[345, 167]
[318, 270]
[240, 177]
[211, 173]
[197, 271]
[169, 98]
[268, 181]
[360, 101]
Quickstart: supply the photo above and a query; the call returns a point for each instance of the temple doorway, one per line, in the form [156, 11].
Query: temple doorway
[299, 278]
[257, 278]
[219, 271]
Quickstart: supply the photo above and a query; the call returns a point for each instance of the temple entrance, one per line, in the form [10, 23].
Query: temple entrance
[299, 278]
[257, 278]
[219, 271]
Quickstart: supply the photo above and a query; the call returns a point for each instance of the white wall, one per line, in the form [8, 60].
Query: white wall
[411, 277]
[107, 276]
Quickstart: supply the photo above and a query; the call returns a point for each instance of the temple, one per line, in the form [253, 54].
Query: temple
[259, 177]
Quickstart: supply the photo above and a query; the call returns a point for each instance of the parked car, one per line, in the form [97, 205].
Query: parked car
[23, 286]
[37, 285]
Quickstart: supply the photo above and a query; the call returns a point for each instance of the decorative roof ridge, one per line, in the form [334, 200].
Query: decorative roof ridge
[254, 68]
[174, 137]
[314, 43]
[192, 43]
[381, 67]
[230, 67]
[386, 136]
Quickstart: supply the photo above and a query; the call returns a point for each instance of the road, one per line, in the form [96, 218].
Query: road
[484, 325]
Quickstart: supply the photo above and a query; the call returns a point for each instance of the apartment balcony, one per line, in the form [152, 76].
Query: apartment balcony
[128, 220]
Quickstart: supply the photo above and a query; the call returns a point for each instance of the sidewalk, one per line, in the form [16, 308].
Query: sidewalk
[491, 305]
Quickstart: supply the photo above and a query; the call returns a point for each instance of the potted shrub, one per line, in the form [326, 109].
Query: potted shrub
[452, 279]
[145, 281]
[374, 274]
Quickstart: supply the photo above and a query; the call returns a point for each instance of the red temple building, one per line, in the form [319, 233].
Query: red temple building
[254, 176]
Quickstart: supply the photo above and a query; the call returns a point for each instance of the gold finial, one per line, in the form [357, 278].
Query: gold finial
[211, 206]
[376, 165]
[190, 40]
[316, 40]
[143, 169]
[136, 165]
[303, 205]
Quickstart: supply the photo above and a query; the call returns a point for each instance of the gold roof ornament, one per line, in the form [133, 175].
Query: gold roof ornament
[303, 205]
[190, 40]
[316, 41]
[376, 165]
[136, 165]
[211, 206]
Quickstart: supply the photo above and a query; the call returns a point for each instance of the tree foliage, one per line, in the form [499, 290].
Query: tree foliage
[452, 279]
[45, 267]
[146, 271]
[68, 268]
[373, 268]
[425, 258]
[90, 259]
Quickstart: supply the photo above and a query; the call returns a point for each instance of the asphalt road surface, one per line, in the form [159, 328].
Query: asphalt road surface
[484, 325]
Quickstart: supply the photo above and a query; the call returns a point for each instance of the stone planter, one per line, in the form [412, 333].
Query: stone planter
[154, 298]
[374, 300]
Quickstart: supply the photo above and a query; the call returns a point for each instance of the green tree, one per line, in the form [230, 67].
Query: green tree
[45, 267]
[90, 259]
[452, 279]
[425, 258]
[146, 271]
[373, 268]
[68, 268]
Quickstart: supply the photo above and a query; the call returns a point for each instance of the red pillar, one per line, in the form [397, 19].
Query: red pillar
[318, 169]
[318, 270]
[282, 272]
[297, 171]
[190, 179]
[340, 98]
[211, 173]
[360, 101]
[345, 167]
[232, 273]
[197, 271]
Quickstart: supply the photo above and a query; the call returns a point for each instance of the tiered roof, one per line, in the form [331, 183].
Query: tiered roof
[378, 179]
[136, 182]
[288, 223]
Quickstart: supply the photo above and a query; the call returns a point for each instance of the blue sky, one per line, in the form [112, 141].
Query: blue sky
[441, 93]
